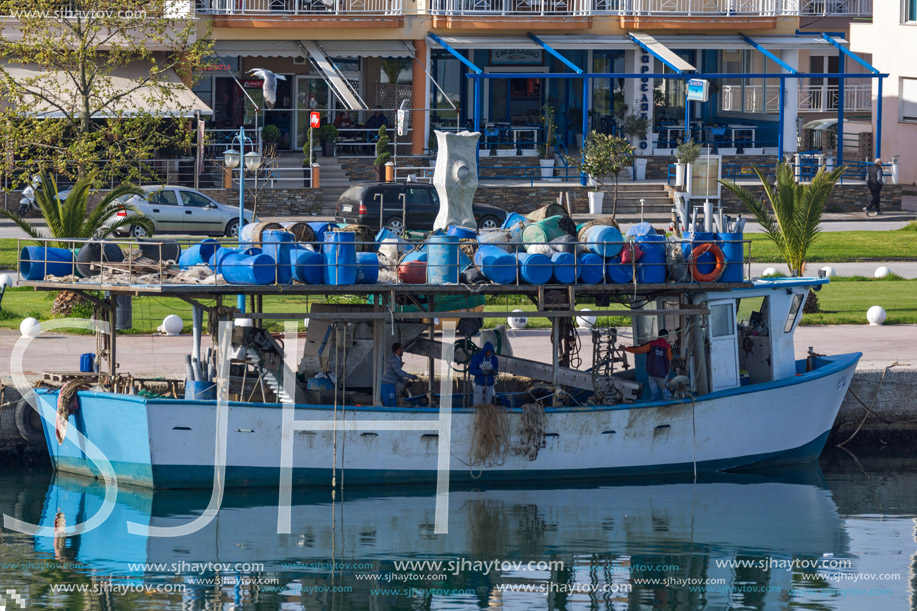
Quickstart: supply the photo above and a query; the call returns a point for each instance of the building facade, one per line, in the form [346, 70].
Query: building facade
[889, 39]
[353, 56]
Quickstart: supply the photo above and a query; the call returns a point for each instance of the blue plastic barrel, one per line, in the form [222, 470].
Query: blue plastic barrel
[198, 254]
[496, 264]
[707, 262]
[463, 233]
[619, 273]
[320, 228]
[340, 258]
[367, 268]
[514, 218]
[565, 270]
[200, 391]
[591, 268]
[640, 230]
[36, 262]
[239, 268]
[442, 259]
[415, 255]
[603, 240]
[220, 253]
[277, 245]
[308, 266]
[87, 362]
[734, 251]
[534, 268]
[651, 266]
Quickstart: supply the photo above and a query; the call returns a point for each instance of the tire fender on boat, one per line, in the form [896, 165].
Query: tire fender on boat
[28, 422]
[718, 270]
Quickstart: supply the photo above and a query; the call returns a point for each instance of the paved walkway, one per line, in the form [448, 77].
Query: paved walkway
[905, 269]
[153, 356]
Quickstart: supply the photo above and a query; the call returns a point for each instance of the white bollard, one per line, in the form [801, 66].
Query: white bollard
[171, 325]
[882, 272]
[30, 327]
[875, 315]
[829, 271]
[585, 322]
[770, 271]
[517, 322]
[6, 281]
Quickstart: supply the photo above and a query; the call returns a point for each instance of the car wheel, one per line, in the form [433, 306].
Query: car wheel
[138, 232]
[395, 225]
[488, 222]
[232, 228]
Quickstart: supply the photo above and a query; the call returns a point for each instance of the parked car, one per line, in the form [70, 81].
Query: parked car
[181, 210]
[411, 203]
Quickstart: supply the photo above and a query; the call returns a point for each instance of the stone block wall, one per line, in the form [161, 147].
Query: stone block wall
[845, 198]
[527, 199]
[657, 167]
[278, 202]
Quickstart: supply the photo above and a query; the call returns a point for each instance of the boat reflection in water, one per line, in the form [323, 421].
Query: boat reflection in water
[613, 539]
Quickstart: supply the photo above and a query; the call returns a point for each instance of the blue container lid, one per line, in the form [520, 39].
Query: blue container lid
[640, 229]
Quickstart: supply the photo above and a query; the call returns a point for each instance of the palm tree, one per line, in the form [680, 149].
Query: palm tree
[68, 218]
[795, 212]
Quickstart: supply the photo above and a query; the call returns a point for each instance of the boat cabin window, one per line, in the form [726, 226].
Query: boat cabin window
[795, 306]
[721, 321]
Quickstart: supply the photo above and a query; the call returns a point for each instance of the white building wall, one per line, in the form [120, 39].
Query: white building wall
[893, 45]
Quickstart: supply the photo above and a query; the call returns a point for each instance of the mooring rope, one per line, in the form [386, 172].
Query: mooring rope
[870, 411]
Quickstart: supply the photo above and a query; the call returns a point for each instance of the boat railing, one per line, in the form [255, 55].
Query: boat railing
[364, 266]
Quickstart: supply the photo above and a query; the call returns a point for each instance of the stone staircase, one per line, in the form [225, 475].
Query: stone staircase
[657, 200]
[333, 183]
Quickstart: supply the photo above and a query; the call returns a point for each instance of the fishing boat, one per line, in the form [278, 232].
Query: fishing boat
[741, 400]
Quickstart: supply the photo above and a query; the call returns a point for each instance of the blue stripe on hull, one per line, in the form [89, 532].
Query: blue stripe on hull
[186, 476]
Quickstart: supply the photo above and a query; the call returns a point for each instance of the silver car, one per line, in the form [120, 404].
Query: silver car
[181, 210]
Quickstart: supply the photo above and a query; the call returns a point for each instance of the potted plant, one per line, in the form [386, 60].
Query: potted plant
[604, 155]
[506, 150]
[383, 155]
[546, 150]
[686, 154]
[328, 135]
[635, 128]
[270, 134]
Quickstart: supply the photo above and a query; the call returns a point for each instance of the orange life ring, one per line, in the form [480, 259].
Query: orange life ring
[700, 251]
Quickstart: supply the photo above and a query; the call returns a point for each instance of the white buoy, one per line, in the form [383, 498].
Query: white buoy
[829, 271]
[172, 325]
[585, 322]
[517, 322]
[875, 315]
[30, 327]
[770, 271]
[6, 281]
[882, 272]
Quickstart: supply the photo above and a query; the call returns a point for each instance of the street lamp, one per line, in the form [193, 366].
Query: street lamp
[232, 158]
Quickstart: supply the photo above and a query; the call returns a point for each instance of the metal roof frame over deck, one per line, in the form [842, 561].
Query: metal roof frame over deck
[661, 48]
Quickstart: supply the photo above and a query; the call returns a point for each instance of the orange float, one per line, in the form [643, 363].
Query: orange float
[699, 251]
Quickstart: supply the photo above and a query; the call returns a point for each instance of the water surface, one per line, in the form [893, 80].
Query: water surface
[836, 537]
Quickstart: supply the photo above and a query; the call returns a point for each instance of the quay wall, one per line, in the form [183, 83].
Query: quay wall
[893, 422]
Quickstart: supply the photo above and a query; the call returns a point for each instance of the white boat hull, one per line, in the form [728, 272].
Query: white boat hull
[170, 443]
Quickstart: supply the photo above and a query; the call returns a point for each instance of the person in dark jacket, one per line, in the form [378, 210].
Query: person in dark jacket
[874, 182]
[376, 121]
[658, 361]
[394, 376]
[483, 367]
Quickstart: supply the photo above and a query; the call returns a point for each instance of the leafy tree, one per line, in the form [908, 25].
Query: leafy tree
[78, 114]
[793, 217]
[604, 155]
[71, 218]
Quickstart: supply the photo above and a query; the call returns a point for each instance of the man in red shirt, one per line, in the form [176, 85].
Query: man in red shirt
[658, 362]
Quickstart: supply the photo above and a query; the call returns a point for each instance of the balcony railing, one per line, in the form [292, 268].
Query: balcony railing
[761, 8]
[835, 8]
[510, 7]
[626, 8]
[299, 7]
[750, 98]
[823, 98]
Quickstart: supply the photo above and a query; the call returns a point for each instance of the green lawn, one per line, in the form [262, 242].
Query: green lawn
[845, 301]
[846, 246]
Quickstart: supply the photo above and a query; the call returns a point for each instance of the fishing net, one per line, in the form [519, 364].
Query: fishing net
[490, 440]
[532, 433]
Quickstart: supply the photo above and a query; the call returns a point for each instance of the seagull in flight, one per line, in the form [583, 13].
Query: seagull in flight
[270, 84]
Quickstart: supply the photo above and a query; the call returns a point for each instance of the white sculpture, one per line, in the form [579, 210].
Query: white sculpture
[456, 178]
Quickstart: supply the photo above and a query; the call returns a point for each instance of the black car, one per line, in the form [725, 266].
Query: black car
[403, 203]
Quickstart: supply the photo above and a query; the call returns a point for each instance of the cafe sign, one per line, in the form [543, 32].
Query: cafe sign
[510, 57]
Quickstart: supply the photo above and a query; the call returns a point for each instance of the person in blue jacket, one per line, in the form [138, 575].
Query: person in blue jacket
[483, 367]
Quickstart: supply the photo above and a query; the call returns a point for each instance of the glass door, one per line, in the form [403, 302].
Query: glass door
[311, 94]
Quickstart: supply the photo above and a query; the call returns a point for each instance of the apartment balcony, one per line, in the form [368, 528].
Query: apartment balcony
[824, 98]
[836, 8]
[511, 14]
[299, 13]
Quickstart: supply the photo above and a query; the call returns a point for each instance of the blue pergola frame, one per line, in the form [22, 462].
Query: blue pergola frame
[477, 75]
